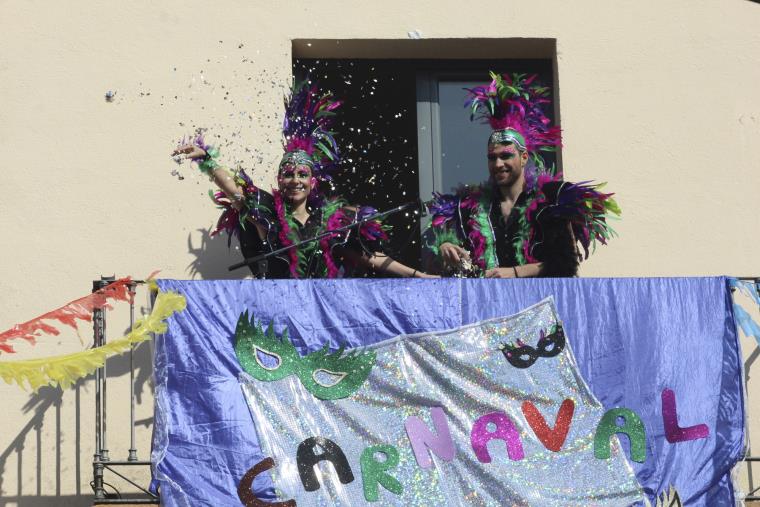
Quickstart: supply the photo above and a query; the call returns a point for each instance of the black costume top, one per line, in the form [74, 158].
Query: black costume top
[318, 259]
[543, 226]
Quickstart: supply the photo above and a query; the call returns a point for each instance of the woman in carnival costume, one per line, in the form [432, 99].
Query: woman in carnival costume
[297, 209]
[525, 221]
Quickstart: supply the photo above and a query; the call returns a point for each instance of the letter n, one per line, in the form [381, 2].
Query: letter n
[423, 439]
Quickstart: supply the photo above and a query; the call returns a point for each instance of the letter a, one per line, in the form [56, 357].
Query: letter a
[505, 430]
[633, 427]
[306, 458]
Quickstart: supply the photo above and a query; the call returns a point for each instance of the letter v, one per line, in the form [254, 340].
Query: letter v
[551, 438]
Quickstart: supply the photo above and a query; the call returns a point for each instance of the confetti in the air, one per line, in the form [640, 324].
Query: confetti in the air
[233, 97]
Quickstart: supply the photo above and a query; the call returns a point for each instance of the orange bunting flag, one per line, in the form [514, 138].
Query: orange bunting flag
[79, 309]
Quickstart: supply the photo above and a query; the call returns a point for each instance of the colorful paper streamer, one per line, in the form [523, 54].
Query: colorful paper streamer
[79, 309]
[66, 369]
[744, 320]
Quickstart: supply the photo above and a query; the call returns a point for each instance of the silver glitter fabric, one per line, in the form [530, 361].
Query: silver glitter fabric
[465, 372]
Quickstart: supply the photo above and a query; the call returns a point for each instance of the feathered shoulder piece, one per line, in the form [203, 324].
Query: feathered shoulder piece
[515, 106]
[583, 205]
[445, 207]
[462, 218]
[306, 129]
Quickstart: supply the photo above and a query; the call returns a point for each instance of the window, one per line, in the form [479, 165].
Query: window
[403, 130]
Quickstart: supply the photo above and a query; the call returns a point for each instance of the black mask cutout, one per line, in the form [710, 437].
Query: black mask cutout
[521, 357]
[553, 344]
[524, 356]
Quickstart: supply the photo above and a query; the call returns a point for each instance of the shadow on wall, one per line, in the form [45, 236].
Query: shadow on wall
[213, 256]
[29, 453]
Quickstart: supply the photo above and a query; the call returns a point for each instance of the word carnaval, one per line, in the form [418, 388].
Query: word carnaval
[492, 426]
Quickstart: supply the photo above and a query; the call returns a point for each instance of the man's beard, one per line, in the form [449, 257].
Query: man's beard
[504, 178]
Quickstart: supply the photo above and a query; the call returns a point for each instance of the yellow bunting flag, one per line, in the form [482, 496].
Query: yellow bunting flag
[66, 369]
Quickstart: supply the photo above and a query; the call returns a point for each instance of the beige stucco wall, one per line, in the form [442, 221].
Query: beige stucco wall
[661, 99]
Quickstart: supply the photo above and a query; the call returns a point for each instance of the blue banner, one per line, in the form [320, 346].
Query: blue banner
[665, 349]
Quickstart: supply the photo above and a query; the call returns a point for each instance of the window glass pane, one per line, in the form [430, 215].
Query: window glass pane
[463, 142]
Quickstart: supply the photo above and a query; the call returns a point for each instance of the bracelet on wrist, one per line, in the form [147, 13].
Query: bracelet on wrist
[208, 163]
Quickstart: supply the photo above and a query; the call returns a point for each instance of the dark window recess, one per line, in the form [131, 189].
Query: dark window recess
[377, 130]
[377, 135]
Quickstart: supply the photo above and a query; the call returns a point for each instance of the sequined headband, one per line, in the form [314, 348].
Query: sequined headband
[296, 158]
[507, 136]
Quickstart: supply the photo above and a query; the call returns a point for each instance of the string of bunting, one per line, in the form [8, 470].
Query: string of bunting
[66, 369]
[744, 320]
[79, 309]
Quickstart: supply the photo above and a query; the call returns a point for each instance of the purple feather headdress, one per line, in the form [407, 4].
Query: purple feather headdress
[514, 107]
[307, 138]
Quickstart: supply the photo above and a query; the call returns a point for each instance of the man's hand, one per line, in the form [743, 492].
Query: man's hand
[452, 254]
[500, 273]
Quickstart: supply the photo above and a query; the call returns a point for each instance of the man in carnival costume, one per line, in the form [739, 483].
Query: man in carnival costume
[525, 221]
[297, 210]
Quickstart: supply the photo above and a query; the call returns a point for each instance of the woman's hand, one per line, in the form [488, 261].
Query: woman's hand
[501, 273]
[190, 151]
[420, 274]
[452, 254]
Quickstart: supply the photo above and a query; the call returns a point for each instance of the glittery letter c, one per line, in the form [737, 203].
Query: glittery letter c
[633, 427]
[505, 430]
[673, 432]
[423, 439]
[244, 488]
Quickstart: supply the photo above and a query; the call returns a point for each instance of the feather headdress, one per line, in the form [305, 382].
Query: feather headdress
[307, 138]
[514, 105]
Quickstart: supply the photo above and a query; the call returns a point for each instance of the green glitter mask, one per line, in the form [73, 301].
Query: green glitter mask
[507, 136]
[346, 372]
